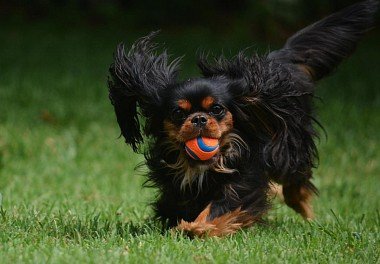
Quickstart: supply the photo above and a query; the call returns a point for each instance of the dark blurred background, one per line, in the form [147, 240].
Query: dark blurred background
[268, 20]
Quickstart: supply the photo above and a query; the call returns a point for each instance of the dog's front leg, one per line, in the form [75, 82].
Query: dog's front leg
[222, 225]
[240, 205]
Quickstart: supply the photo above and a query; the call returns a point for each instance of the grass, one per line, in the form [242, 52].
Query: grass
[69, 192]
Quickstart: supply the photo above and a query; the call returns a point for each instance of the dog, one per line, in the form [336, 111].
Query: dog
[259, 108]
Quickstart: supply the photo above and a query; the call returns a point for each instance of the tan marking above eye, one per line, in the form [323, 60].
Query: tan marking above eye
[184, 104]
[207, 102]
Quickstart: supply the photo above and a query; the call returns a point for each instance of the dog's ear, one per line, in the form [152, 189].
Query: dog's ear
[319, 48]
[135, 85]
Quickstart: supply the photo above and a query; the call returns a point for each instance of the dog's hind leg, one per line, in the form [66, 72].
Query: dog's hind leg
[298, 195]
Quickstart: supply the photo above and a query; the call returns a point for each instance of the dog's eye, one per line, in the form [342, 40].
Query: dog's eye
[216, 110]
[178, 115]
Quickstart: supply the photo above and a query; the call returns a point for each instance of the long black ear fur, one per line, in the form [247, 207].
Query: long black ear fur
[135, 84]
[320, 47]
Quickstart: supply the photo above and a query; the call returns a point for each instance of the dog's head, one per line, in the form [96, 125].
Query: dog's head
[199, 107]
[265, 98]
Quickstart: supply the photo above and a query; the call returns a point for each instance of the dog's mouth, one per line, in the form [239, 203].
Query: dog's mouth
[209, 163]
[230, 146]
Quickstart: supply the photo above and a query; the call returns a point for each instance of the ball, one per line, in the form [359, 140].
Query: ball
[202, 148]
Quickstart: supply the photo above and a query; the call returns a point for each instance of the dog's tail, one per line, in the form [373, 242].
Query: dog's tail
[319, 48]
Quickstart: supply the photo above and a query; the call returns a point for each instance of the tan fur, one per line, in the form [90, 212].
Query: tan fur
[223, 225]
[227, 123]
[171, 130]
[207, 102]
[307, 69]
[184, 104]
[275, 191]
[299, 198]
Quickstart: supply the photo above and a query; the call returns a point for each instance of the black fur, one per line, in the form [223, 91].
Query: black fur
[139, 78]
[324, 44]
[269, 97]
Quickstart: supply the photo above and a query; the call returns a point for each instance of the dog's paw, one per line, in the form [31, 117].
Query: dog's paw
[197, 229]
[223, 225]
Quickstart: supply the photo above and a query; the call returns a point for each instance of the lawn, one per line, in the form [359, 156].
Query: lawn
[69, 191]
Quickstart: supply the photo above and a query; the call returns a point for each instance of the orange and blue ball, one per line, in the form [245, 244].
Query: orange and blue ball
[202, 148]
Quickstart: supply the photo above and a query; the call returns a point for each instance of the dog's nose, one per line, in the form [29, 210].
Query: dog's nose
[199, 120]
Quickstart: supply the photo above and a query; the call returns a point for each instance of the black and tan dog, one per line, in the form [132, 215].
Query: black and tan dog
[259, 108]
